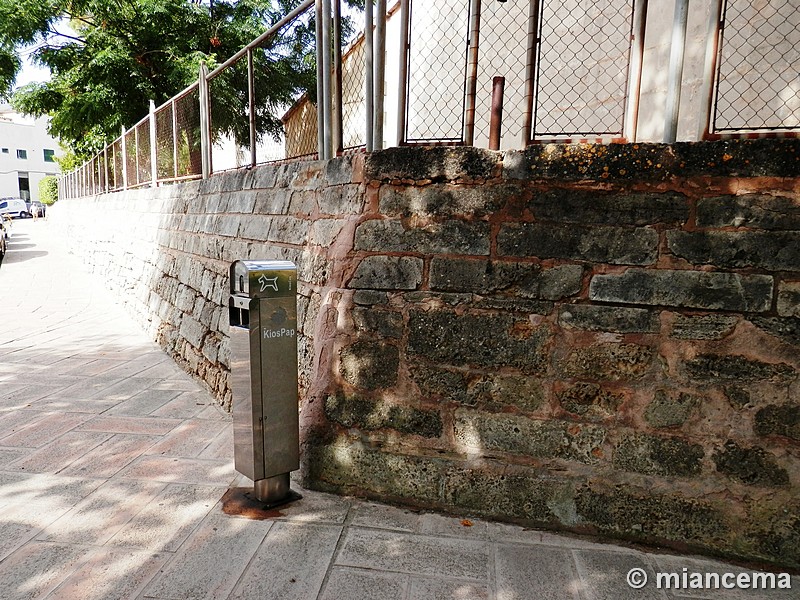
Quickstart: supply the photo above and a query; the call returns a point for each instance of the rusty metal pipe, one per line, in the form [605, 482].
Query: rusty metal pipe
[496, 122]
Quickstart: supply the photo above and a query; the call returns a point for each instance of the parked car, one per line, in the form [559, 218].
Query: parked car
[35, 203]
[15, 207]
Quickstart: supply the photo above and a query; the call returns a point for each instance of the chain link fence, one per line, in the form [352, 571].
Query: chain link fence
[757, 82]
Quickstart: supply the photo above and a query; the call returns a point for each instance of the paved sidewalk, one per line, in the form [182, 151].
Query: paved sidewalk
[113, 463]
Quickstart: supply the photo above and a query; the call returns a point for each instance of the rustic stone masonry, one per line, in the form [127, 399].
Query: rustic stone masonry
[594, 338]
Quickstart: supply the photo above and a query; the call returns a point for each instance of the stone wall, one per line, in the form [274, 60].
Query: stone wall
[595, 338]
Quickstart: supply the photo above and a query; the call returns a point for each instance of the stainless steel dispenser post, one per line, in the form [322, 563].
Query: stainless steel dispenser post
[263, 338]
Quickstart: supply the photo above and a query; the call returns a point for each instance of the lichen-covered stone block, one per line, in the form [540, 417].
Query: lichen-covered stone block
[609, 208]
[371, 414]
[445, 200]
[387, 273]
[602, 243]
[481, 340]
[498, 391]
[609, 318]
[688, 289]
[669, 410]
[486, 277]
[751, 466]
[789, 299]
[607, 362]
[758, 211]
[590, 401]
[447, 237]
[774, 250]
[726, 368]
[438, 163]
[653, 455]
[779, 420]
[382, 323]
[703, 327]
[479, 431]
[369, 365]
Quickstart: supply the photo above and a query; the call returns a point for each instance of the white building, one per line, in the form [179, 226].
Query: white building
[27, 154]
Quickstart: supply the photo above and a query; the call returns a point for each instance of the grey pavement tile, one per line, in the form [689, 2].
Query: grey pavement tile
[192, 438]
[535, 572]
[111, 574]
[143, 403]
[412, 553]
[13, 421]
[102, 513]
[383, 516]
[712, 588]
[110, 456]
[169, 518]
[42, 431]
[314, 507]
[163, 370]
[194, 572]
[471, 529]
[135, 368]
[10, 455]
[35, 569]
[93, 366]
[123, 424]
[604, 575]
[507, 533]
[57, 492]
[177, 469]
[19, 524]
[290, 564]
[448, 589]
[359, 584]
[90, 406]
[213, 412]
[186, 405]
[111, 387]
[60, 453]
[221, 445]
[182, 383]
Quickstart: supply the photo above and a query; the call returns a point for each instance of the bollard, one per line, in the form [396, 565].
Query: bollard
[263, 342]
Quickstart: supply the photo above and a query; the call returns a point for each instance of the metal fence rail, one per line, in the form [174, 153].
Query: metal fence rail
[425, 72]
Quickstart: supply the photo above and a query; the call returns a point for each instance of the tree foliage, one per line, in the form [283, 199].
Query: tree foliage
[48, 190]
[120, 54]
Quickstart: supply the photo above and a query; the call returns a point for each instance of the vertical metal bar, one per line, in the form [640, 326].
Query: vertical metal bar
[338, 122]
[205, 122]
[472, 71]
[496, 121]
[369, 74]
[402, 87]
[153, 146]
[320, 87]
[676, 56]
[136, 146]
[530, 70]
[106, 186]
[380, 72]
[637, 56]
[710, 67]
[251, 105]
[124, 160]
[326, 76]
[174, 139]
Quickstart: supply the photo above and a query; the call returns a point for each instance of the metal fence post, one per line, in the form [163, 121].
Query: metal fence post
[637, 57]
[369, 73]
[710, 67]
[472, 71]
[326, 76]
[402, 87]
[124, 147]
[205, 119]
[153, 147]
[530, 70]
[320, 76]
[251, 106]
[380, 72]
[338, 109]
[676, 56]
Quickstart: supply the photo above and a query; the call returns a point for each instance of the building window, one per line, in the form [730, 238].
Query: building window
[23, 154]
[5, 150]
[49, 155]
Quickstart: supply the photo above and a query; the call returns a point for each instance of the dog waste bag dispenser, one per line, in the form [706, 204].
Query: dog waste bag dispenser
[263, 337]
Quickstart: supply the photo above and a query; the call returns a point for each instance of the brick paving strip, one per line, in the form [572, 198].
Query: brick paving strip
[113, 462]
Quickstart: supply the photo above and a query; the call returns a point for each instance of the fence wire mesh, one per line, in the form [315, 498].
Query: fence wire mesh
[757, 86]
[187, 136]
[582, 66]
[437, 68]
[503, 52]
[354, 96]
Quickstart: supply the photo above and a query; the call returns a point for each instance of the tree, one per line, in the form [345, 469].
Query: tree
[118, 55]
[48, 190]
